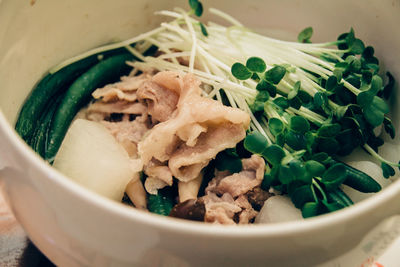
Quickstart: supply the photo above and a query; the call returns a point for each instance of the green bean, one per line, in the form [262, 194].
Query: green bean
[49, 88]
[333, 196]
[78, 95]
[360, 181]
[39, 138]
[345, 198]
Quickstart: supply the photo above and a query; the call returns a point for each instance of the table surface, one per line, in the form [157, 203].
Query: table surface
[15, 247]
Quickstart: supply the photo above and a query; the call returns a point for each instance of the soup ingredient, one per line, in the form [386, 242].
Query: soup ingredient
[79, 93]
[196, 131]
[278, 209]
[309, 104]
[51, 88]
[371, 169]
[90, 156]
[162, 202]
[190, 209]
[361, 181]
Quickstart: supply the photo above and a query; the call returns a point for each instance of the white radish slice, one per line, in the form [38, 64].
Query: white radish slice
[278, 209]
[91, 156]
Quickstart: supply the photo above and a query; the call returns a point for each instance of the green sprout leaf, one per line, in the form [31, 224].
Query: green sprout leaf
[387, 170]
[275, 75]
[262, 96]
[193, 4]
[255, 142]
[329, 130]
[276, 126]
[294, 92]
[310, 209]
[315, 168]
[321, 157]
[301, 195]
[334, 176]
[226, 160]
[357, 47]
[203, 29]
[240, 71]
[286, 175]
[376, 84]
[197, 7]
[295, 102]
[331, 83]
[320, 100]
[296, 140]
[389, 128]
[264, 85]
[281, 102]
[304, 96]
[328, 145]
[274, 154]
[299, 124]
[268, 181]
[364, 99]
[299, 171]
[305, 35]
[256, 64]
[375, 112]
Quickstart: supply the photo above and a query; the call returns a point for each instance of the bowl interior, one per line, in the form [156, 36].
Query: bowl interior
[36, 36]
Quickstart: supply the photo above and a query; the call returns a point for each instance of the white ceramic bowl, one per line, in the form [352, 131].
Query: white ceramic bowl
[75, 227]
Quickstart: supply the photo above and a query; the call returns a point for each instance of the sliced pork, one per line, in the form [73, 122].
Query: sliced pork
[214, 127]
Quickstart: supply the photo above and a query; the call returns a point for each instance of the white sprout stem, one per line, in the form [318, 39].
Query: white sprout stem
[104, 48]
[259, 128]
[194, 41]
[378, 157]
[311, 116]
[135, 52]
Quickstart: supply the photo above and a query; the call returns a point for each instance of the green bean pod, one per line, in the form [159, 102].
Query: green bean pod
[78, 95]
[336, 197]
[49, 88]
[343, 197]
[360, 181]
[39, 138]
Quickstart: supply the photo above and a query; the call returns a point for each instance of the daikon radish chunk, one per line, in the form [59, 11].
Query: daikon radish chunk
[91, 156]
[278, 209]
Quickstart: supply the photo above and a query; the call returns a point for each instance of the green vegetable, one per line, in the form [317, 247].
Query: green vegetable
[203, 29]
[360, 181]
[228, 160]
[305, 35]
[240, 71]
[39, 139]
[78, 94]
[48, 88]
[162, 203]
[197, 7]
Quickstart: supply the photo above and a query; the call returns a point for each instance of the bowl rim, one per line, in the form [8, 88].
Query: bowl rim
[185, 226]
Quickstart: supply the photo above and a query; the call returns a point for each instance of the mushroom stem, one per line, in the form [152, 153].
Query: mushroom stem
[189, 190]
[136, 193]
